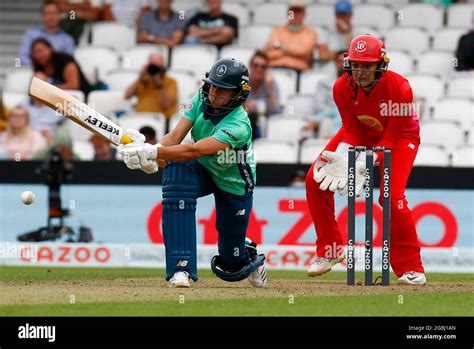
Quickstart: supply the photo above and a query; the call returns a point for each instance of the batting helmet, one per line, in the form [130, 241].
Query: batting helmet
[226, 73]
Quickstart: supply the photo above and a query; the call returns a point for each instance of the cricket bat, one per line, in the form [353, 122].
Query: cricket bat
[79, 112]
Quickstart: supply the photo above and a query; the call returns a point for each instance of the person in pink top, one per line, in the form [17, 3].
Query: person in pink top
[20, 141]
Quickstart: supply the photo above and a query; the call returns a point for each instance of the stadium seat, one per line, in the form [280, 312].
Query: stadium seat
[462, 87]
[120, 79]
[18, 80]
[197, 58]
[285, 127]
[456, 109]
[374, 15]
[173, 122]
[300, 104]
[423, 16]
[460, 15]
[431, 155]
[242, 53]
[12, 99]
[187, 83]
[428, 87]
[274, 14]
[365, 29]
[413, 40]
[137, 120]
[321, 32]
[109, 102]
[309, 80]
[137, 56]
[387, 2]
[115, 35]
[400, 62]
[96, 61]
[77, 94]
[83, 149]
[447, 38]
[237, 10]
[310, 149]
[78, 134]
[255, 36]
[275, 151]
[436, 62]
[445, 133]
[321, 15]
[286, 80]
[463, 156]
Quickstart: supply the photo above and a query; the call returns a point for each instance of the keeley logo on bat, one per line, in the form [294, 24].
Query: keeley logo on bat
[37, 332]
[99, 123]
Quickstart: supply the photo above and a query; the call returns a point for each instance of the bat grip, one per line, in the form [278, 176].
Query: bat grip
[126, 140]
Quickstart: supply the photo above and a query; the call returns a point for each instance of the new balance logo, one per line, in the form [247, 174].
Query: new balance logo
[240, 212]
[182, 263]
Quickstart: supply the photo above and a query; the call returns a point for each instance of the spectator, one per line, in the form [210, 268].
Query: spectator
[338, 39]
[128, 12]
[162, 26]
[60, 69]
[324, 107]
[102, 149]
[61, 41]
[3, 114]
[75, 15]
[62, 144]
[292, 45]
[298, 179]
[20, 140]
[264, 98]
[465, 50]
[213, 27]
[42, 118]
[156, 91]
[149, 133]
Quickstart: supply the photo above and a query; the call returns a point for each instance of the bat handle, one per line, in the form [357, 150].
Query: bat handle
[126, 140]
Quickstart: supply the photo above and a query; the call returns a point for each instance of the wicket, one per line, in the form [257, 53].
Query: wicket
[369, 202]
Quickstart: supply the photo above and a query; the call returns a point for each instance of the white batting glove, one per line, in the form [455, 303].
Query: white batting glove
[139, 155]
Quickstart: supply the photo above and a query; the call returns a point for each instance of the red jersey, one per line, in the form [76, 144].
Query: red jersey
[380, 118]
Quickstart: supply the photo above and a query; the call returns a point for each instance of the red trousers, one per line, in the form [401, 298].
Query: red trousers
[404, 247]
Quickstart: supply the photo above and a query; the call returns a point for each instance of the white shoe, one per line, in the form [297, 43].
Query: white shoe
[323, 265]
[412, 278]
[180, 279]
[259, 277]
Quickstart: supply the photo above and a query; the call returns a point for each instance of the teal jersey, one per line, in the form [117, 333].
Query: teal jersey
[233, 170]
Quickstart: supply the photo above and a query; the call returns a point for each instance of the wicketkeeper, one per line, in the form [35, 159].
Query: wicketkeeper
[376, 107]
[219, 126]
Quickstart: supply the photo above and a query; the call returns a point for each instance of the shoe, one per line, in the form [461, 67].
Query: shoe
[412, 278]
[258, 278]
[323, 265]
[180, 279]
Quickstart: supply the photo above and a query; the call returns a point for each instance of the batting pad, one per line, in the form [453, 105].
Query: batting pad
[180, 191]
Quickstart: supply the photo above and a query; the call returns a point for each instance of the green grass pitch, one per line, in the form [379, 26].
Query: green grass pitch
[41, 291]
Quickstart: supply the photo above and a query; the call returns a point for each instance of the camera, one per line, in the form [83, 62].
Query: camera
[155, 69]
[54, 172]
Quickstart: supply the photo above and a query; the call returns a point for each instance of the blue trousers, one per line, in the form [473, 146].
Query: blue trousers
[183, 183]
